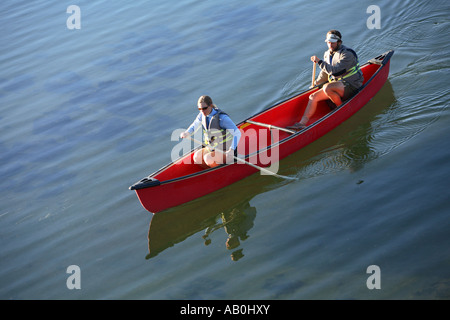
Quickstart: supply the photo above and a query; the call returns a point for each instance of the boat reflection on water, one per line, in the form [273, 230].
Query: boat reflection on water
[236, 223]
[230, 209]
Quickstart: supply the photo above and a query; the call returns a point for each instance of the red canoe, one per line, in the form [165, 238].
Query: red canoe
[261, 142]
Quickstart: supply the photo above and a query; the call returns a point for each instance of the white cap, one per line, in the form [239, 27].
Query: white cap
[332, 38]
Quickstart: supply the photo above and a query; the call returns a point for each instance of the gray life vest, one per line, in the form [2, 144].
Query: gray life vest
[213, 134]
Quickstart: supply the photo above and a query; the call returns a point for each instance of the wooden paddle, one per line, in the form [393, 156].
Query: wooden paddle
[251, 164]
[270, 126]
[313, 74]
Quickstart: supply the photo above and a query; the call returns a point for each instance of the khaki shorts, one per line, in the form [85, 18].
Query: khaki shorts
[349, 90]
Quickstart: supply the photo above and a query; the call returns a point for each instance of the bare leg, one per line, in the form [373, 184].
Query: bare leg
[210, 159]
[213, 159]
[334, 91]
[312, 105]
[199, 156]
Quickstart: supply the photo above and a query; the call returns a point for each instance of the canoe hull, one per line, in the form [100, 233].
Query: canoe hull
[176, 191]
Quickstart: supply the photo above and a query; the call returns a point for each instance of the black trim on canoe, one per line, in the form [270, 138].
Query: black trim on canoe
[383, 58]
[145, 183]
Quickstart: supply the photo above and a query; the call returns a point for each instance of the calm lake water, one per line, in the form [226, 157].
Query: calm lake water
[87, 112]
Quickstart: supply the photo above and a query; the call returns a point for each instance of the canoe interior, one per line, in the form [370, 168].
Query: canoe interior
[255, 137]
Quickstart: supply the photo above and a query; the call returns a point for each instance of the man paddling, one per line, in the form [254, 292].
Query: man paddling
[340, 73]
[220, 134]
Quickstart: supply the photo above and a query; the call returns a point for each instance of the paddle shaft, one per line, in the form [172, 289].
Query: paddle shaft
[313, 74]
[250, 164]
[271, 126]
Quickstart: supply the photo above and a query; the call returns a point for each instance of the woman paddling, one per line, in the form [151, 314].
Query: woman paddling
[219, 133]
